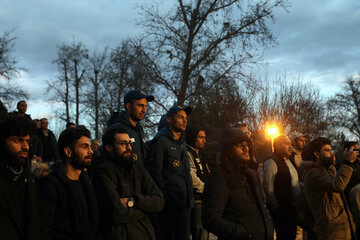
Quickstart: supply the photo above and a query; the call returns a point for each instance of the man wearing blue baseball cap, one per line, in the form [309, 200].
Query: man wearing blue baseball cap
[135, 103]
[170, 168]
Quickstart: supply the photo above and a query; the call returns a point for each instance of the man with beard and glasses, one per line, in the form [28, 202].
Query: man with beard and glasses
[67, 200]
[323, 188]
[170, 167]
[18, 205]
[125, 191]
[233, 199]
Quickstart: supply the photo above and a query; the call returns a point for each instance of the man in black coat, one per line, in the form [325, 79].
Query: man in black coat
[48, 142]
[67, 200]
[125, 191]
[18, 205]
[233, 199]
[170, 168]
[136, 103]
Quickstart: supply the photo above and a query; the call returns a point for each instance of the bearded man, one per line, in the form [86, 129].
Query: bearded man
[67, 200]
[125, 191]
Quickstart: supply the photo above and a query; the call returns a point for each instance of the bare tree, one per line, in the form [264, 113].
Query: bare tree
[344, 107]
[198, 37]
[293, 105]
[71, 61]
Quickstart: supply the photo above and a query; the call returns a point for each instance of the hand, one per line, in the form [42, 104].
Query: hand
[351, 155]
[124, 201]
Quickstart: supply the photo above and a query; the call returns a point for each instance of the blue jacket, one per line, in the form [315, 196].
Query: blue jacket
[170, 168]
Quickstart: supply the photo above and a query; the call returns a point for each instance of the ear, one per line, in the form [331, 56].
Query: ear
[109, 148]
[316, 154]
[127, 106]
[169, 119]
[67, 152]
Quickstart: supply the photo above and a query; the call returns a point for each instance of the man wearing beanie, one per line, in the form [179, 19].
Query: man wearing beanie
[233, 199]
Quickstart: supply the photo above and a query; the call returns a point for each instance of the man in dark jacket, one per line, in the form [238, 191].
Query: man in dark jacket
[135, 109]
[67, 200]
[233, 199]
[323, 188]
[18, 205]
[199, 170]
[48, 142]
[125, 191]
[21, 110]
[170, 168]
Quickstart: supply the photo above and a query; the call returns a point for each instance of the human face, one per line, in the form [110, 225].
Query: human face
[283, 147]
[81, 153]
[137, 109]
[95, 145]
[44, 124]
[122, 145]
[200, 140]
[299, 143]
[178, 121]
[18, 147]
[240, 152]
[326, 155]
[22, 107]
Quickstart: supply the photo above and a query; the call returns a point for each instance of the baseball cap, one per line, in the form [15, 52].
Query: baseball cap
[175, 109]
[137, 94]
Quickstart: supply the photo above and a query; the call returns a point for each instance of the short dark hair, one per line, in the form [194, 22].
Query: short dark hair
[191, 133]
[18, 104]
[14, 125]
[349, 144]
[69, 136]
[108, 137]
[43, 119]
[316, 145]
[69, 124]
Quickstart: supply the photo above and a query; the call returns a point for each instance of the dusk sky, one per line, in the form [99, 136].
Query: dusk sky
[318, 40]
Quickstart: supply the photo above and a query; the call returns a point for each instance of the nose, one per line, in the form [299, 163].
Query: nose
[128, 146]
[25, 146]
[90, 150]
[144, 109]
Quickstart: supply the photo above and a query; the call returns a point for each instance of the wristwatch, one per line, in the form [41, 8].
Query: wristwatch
[130, 202]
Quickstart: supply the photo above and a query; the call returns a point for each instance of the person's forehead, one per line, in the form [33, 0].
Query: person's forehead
[13, 137]
[140, 101]
[301, 138]
[122, 137]
[181, 113]
[326, 147]
[83, 140]
[201, 133]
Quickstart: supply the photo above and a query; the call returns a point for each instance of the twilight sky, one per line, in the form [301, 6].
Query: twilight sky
[318, 40]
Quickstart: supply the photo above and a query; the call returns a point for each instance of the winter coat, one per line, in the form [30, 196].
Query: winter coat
[323, 190]
[18, 207]
[49, 146]
[112, 182]
[60, 210]
[234, 205]
[138, 147]
[169, 166]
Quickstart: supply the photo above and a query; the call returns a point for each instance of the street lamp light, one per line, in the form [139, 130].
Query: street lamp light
[272, 131]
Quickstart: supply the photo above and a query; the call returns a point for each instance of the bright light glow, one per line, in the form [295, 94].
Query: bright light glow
[272, 131]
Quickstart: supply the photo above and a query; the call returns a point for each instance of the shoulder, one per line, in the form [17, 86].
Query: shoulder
[270, 164]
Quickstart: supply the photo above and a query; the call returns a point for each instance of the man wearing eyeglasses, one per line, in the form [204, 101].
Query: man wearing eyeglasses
[170, 168]
[125, 191]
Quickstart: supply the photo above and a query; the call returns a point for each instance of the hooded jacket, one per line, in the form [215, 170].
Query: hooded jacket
[18, 206]
[170, 168]
[60, 210]
[323, 189]
[139, 147]
[233, 200]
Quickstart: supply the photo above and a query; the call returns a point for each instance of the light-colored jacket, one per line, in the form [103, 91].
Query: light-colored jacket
[323, 191]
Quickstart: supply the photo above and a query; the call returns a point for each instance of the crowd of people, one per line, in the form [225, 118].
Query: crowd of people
[74, 187]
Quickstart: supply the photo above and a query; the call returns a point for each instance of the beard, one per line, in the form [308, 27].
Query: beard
[326, 161]
[124, 160]
[15, 160]
[79, 163]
